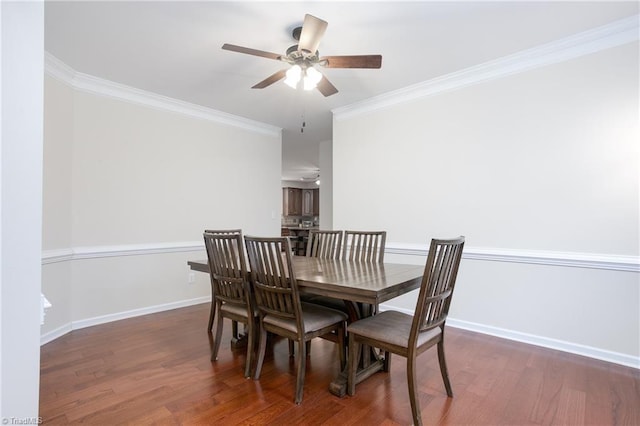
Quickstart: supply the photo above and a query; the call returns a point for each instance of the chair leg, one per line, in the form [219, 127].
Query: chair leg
[212, 312]
[292, 350]
[353, 364]
[262, 348]
[250, 344]
[219, 322]
[413, 390]
[443, 369]
[234, 330]
[341, 347]
[386, 366]
[302, 365]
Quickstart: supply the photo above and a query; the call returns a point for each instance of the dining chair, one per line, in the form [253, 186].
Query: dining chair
[280, 310]
[364, 246]
[324, 244]
[232, 290]
[410, 335]
[212, 310]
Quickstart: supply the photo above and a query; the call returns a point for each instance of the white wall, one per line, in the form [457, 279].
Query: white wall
[57, 201]
[543, 161]
[21, 60]
[326, 185]
[128, 190]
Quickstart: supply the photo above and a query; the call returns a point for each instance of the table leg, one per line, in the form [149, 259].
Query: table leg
[370, 361]
[238, 340]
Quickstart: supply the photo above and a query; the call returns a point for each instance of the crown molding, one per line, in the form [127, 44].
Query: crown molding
[58, 69]
[617, 33]
[98, 86]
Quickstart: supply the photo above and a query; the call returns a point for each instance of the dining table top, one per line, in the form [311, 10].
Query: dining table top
[366, 282]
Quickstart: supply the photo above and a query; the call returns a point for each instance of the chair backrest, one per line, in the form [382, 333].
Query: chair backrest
[274, 282]
[324, 244]
[228, 269]
[228, 232]
[224, 231]
[437, 286]
[364, 246]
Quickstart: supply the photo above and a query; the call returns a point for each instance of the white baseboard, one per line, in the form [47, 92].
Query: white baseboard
[574, 348]
[54, 334]
[103, 319]
[546, 342]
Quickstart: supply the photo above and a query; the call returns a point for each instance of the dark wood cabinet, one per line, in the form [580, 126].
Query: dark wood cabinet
[316, 202]
[307, 202]
[291, 201]
[300, 202]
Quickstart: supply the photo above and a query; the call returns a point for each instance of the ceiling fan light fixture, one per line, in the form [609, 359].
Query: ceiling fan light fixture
[293, 76]
[311, 78]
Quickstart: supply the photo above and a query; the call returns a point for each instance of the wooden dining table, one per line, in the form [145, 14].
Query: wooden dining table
[361, 285]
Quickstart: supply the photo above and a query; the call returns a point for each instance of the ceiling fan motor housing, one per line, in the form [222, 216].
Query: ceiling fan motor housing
[301, 57]
[296, 33]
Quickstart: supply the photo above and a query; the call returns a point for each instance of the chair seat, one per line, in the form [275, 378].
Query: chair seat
[314, 317]
[235, 310]
[392, 327]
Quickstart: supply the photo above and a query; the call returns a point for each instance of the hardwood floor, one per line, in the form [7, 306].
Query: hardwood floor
[155, 369]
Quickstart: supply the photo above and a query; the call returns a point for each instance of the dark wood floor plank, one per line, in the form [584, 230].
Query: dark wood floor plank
[156, 369]
[267, 415]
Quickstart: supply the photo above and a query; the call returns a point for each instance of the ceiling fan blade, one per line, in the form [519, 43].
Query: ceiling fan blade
[249, 51]
[326, 88]
[355, 61]
[276, 76]
[312, 31]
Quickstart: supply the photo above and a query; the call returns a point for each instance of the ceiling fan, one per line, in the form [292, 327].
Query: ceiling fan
[303, 57]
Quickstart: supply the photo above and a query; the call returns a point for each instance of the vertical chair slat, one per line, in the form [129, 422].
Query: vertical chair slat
[364, 246]
[324, 244]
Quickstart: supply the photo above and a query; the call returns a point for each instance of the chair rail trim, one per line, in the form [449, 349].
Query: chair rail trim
[612, 262]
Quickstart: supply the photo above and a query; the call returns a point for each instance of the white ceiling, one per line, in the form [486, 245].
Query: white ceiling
[174, 49]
